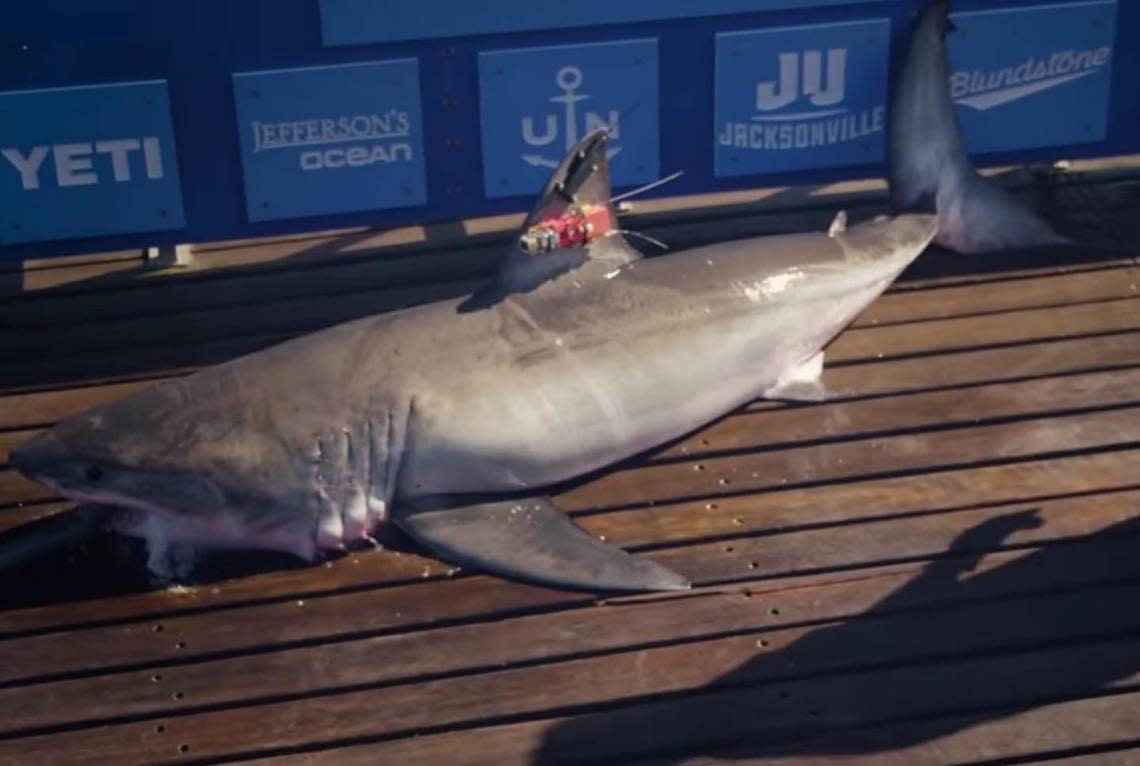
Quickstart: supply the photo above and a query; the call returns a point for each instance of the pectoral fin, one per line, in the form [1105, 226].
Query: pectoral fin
[801, 383]
[533, 541]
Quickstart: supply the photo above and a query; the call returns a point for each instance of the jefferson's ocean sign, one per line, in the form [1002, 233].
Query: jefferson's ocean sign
[331, 139]
[87, 161]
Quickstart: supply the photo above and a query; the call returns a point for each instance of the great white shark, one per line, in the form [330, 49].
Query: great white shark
[928, 167]
[452, 419]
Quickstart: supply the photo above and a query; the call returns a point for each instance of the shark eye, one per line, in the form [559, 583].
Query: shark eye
[94, 473]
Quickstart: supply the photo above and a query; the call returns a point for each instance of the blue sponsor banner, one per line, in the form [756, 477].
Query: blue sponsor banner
[331, 139]
[352, 22]
[87, 161]
[536, 103]
[1034, 76]
[800, 97]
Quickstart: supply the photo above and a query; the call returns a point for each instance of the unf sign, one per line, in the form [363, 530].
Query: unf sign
[535, 103]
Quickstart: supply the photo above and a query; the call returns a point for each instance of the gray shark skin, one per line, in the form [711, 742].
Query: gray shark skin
[927, 161]
[450, 418]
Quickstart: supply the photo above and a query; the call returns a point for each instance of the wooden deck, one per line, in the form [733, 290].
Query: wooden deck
[941, 566]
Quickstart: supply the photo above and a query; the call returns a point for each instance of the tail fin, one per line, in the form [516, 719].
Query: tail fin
[928, 167]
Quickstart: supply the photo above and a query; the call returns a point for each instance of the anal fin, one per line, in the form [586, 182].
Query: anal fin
[801, 383]
[531, 540]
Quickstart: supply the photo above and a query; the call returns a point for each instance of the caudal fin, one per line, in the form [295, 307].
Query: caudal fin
[928, 167]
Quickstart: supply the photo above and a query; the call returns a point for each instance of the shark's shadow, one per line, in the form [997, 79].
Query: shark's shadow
[861, 686]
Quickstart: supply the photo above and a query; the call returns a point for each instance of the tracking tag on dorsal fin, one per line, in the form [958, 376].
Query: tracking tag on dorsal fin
[838, 224]
[573, 221]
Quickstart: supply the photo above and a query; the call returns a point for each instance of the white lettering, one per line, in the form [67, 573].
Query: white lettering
[311, 161]
[75, 163]
[72, 163]
[329, 130]
[803, 134]
[119, 150]
[29, 166]
[1013, 82]
[547, 136]
[152, 154]
[613, 123]
[769, 96]
[355, 156]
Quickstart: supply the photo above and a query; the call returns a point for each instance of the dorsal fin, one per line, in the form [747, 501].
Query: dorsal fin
[572, 221]
[581, 178]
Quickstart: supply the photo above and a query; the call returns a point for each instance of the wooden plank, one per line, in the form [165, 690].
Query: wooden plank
[81, 369]
[991, 365]
[736, 515]
[971, 332]
[921, 409]
[157, 297]
[11, 439]
[11, 518]
[758, 710]
[924, 450]
[1036, 291]
[45, 407]
[1022, 736]
[1032, 619]
[325, 617]
[195, 325]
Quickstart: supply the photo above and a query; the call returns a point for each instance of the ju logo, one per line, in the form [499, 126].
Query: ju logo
[800, 97]
[536, 103]
[1032, 77]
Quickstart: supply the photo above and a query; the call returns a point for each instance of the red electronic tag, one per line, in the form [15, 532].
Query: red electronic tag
[576, 227]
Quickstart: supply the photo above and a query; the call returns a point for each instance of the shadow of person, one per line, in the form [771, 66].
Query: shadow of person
[950, 649]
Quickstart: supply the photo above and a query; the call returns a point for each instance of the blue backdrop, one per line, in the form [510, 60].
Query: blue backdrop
[127, 123]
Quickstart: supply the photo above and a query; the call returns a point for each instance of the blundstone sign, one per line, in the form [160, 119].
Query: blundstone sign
[1030, 77]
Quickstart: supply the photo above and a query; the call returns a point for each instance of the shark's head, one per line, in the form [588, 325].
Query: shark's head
[155, 450]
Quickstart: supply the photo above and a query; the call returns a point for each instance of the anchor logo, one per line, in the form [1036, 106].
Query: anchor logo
[568, 80]
[771, 95]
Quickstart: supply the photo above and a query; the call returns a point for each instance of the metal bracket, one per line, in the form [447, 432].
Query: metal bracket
[165, 256]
